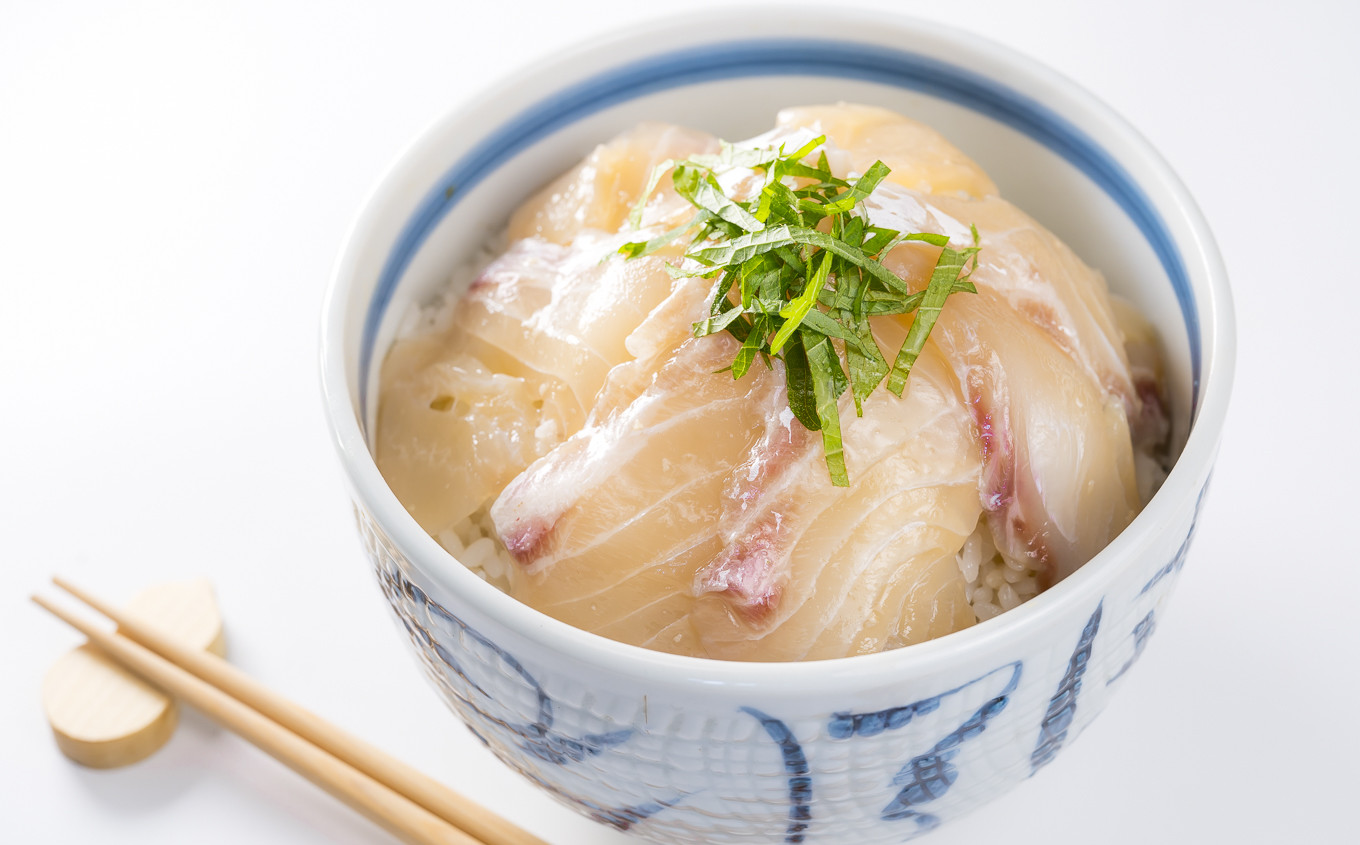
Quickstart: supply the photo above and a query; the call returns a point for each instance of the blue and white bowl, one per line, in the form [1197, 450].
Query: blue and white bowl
[866, 749]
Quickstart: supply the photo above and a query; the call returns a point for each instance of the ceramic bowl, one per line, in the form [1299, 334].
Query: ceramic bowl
[867, 749]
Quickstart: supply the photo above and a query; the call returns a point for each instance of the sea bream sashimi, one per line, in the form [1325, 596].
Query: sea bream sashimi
[469, 401]
[1037, 273]
[610, 528]
[1057, 480]
[699, 519]
[809, 570]
[1038, 352]
[599, 193]
[647, 496]
[465, 407]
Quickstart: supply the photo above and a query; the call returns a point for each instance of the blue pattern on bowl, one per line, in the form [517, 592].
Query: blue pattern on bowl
[465, 665]
[796, 765]
[1176, 563]
[1062, 707]
[1142, 632]
[929, 776]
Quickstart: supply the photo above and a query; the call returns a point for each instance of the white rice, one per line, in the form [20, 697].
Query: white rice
[993, 583]
[474, 543]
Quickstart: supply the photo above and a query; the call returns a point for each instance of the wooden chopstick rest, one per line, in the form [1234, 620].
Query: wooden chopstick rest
[409, 821]
[102, 715]
[366, 761]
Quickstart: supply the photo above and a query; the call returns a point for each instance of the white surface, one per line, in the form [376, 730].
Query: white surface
[175, 181]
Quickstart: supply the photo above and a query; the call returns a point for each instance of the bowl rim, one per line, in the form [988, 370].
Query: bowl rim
[1177, 497]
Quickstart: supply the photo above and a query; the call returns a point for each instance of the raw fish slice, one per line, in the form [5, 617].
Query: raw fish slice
[788, 567]
[1042, 364]
[1058, 478]
[610, 527]
[920, 158]
[811, 571]
[653, 342]
[515, 370]
[451, 432]
[1043, 280]
[1041, 277]
[559, 316]
[600, 192]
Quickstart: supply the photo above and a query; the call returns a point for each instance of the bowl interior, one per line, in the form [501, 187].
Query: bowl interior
[1066, 175]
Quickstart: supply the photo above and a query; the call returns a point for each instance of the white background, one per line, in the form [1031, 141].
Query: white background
[175, 182]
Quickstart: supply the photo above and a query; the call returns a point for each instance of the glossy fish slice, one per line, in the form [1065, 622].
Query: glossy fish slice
[610, 527]
[1039, 353]
[811, 571]
[549, 322]
[1059, 481]
[558, 316]
[451, 433]
[921, 158]
[699, 519]
[599, 193]
[517, 367]
[1147, 369]
[1045, 282]
[1038, 274]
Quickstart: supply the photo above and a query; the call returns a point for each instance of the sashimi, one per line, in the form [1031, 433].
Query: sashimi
[811, 571]
[1058, 478]
[643, 493]
[610, 527]
[921, 159]
[600, 192]
[549, 323]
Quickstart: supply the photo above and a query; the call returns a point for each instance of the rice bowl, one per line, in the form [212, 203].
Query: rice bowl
[871, 748]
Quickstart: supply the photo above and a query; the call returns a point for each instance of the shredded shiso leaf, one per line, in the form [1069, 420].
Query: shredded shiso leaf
[786, 289]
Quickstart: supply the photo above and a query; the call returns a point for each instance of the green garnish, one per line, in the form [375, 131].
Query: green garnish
[787, 289]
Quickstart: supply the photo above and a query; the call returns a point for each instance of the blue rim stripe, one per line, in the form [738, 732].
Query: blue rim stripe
[780, 57]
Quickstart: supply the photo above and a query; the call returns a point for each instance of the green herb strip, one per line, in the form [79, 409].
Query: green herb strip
[943, 279]
[798, 375]
[795, 311]
[802, 294]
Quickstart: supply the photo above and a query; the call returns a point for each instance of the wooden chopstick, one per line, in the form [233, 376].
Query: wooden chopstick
[382, 788]
[404, 818]
[372, 761]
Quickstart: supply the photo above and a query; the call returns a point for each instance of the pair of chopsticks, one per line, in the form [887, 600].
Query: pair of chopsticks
[412, 806]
